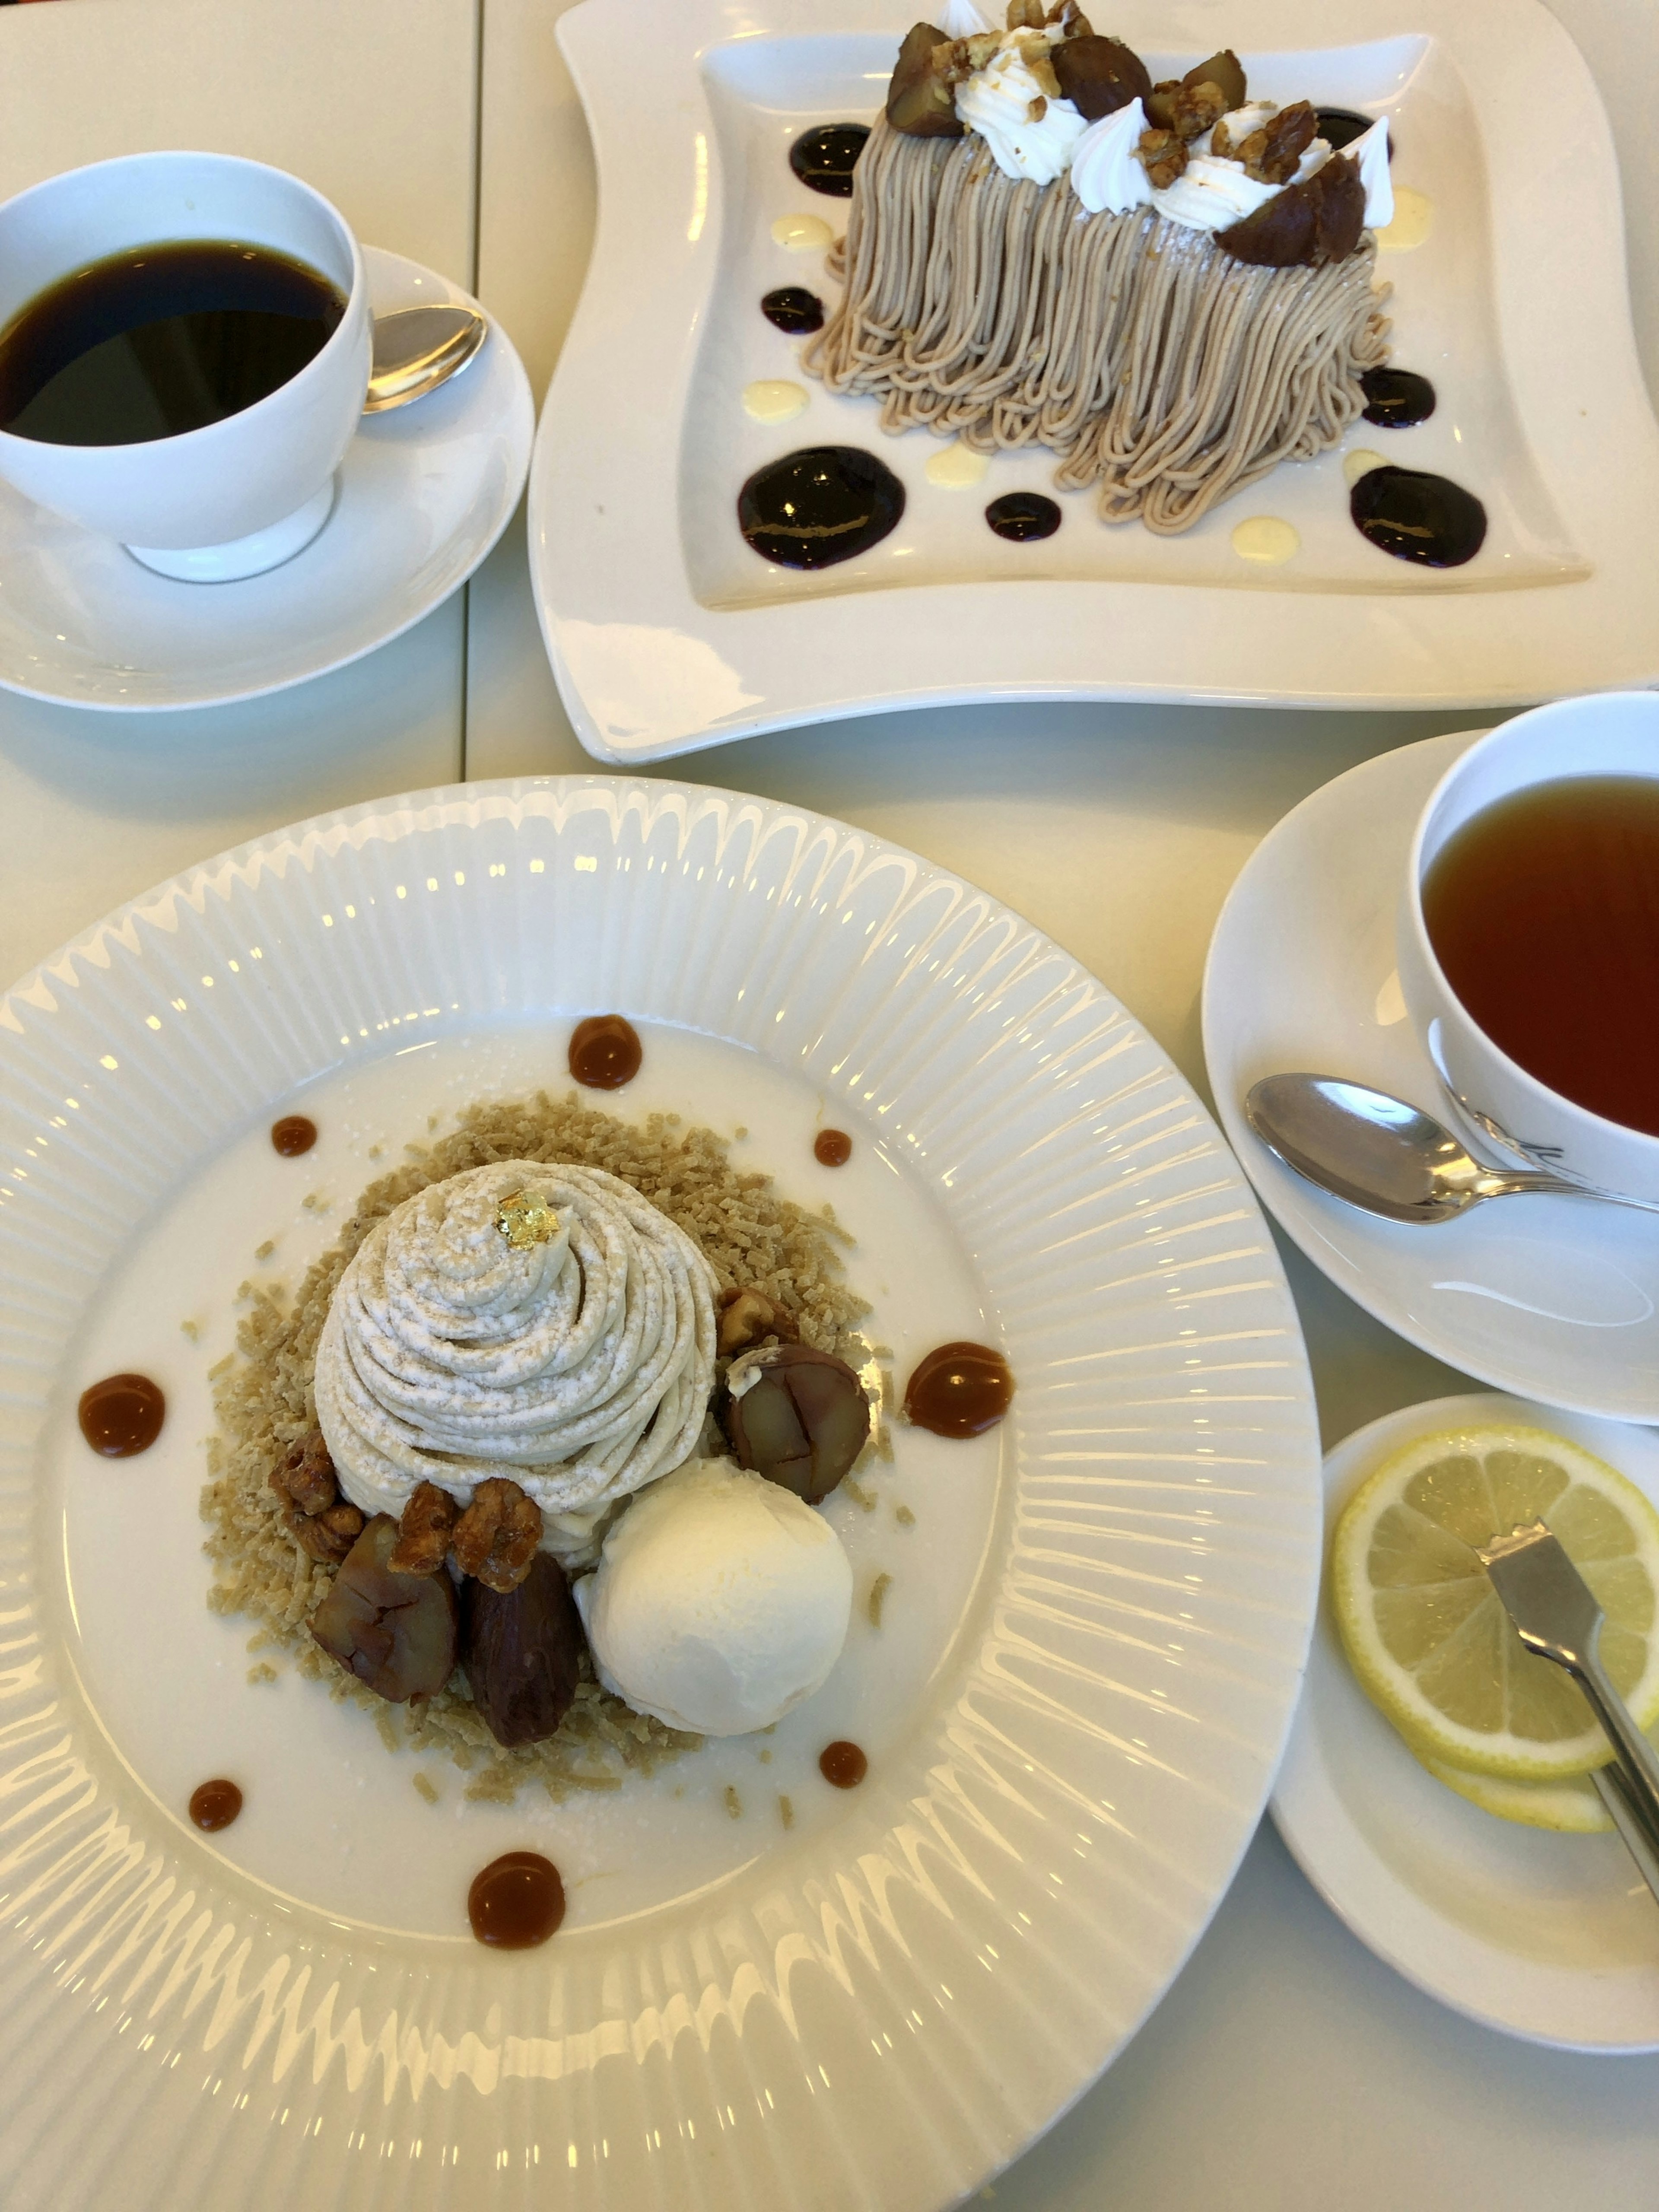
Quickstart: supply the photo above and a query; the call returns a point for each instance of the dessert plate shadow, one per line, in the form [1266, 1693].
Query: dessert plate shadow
[667, 632]
[1553, 1938]
[1074, 1698]
[1554, 1297]
[423, 494]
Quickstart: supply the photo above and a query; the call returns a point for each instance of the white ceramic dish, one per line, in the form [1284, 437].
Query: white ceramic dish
[1556, 1297]
[424, 492]
[1551, 1937]
[1086, 1664]
[666, 633]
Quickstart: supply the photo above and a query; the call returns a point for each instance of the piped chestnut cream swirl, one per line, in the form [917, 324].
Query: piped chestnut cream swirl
[543, 1322]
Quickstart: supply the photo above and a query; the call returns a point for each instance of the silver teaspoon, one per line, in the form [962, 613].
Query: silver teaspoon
[418, 349]
[1382, 1155]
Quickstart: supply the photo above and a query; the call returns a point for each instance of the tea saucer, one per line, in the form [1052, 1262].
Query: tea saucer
[1551, 1937]
[423, 493]
[1554, 1297]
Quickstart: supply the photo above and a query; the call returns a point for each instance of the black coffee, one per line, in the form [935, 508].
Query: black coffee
[158, 340]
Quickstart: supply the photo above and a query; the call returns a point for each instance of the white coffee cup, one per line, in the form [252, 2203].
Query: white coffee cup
[1611, 733]
[239, 495]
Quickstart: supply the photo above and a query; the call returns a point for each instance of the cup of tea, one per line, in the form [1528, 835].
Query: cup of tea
[1529, 938]
[185, 351]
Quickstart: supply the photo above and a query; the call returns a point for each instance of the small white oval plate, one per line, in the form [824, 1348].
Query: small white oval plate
[424, 492]
[1553, 1938]
[1074, 1701]
[1554, 1297]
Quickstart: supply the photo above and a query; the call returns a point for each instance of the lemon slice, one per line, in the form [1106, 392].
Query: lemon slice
[1427, 1635]
[1570, 1806]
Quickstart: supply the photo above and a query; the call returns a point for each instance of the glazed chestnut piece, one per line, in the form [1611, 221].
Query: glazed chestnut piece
[522, 1652]
[920, 101]
[1099, 76]
[1185, 107]
[1305, 225]
[802, 1422]
[394, 1632]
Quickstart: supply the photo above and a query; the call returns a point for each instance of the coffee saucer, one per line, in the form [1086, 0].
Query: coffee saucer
[422, 495]
[1550, 1937]
[1555, 1298]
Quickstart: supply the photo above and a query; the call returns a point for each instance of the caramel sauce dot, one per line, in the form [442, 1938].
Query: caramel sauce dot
[832, 1148]
[516, 1902]
[605, 1052]
[294, 1134]
[843, 1764]
[215, 1805]
[959, 1390]
[122, 1415]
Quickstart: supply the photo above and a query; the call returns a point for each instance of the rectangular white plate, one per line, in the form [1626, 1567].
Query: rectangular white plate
[667, 633]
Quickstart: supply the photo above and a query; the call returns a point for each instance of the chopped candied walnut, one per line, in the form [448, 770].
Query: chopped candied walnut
[1037, 109]
[424, 1532]
[1273, 154]
[749, 1317]
[495, 1538]
[327, 1536]
[1024, 14]
[307, 1476]
[1163, 157]
[1073, 24]
[1195, 107]
[956, 60]
[1042, 69]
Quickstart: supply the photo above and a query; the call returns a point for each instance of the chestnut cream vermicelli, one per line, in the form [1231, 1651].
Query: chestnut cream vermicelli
[1155, 363]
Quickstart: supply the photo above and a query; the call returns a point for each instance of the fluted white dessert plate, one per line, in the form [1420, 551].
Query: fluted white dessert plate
[666, 633]
[423, 493]
[1073, 1700]
[1550, 1937]
[1556, 1298]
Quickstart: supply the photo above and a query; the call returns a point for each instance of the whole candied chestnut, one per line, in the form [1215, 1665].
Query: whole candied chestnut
[1305, 226]
[522, 1652]
[801, 1422]
[394, 1632]
[921, 101]
[1099, 76]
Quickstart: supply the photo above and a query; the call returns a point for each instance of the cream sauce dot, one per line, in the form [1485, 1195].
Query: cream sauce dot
[1413, 219]
[1264, 538]
[956, 467]
[773, 400]
[802, 233]
[1360, 463]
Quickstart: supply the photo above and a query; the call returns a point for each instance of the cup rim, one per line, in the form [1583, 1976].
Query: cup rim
[1553, 710]
[321, 361]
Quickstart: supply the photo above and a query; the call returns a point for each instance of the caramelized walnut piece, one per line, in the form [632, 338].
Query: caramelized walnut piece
[327, 1536]
[1194, 108]
[1073, 24]
[495, 1538]
[306, 1477]
[956, 61]
[1273, 154]
[1025, 14]
[425, 1531]
[749, 1317]
[1221, 77]
[1163, 157]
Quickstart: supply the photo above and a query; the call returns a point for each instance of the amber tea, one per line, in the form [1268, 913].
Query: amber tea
[1543, 912]
[158, 340]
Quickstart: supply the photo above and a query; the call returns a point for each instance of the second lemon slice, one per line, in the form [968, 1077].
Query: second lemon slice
[1426, 1633]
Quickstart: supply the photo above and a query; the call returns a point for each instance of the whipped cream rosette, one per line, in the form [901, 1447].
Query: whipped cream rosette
[545, 1323]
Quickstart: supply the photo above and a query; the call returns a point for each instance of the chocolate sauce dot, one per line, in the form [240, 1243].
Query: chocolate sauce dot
[823, 157]
[518, 1901]
[1340, 126]
[1023, 515]
[123, 1414]
[1417, 516]
[819, 504]
[293, 1135]
[832, 1148]
[959, 1390]
[215, 1805]
[1396, 397]
[794, 309]
[843, 1764]
[605, 1052]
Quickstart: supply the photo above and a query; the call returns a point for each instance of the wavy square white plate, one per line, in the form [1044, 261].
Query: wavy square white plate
[667, 632]
[1074, 1703]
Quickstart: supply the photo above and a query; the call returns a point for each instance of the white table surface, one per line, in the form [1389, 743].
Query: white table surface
[1287, 2069]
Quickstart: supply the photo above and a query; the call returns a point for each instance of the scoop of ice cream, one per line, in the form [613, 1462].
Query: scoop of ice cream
[720, 1600]
[541, 1322]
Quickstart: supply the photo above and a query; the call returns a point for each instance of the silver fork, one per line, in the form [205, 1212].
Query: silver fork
[1556, 1615]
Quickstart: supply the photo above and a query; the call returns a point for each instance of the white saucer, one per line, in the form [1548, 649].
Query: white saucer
[424, 492]
[1553, 1938]
[1557, 1298]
